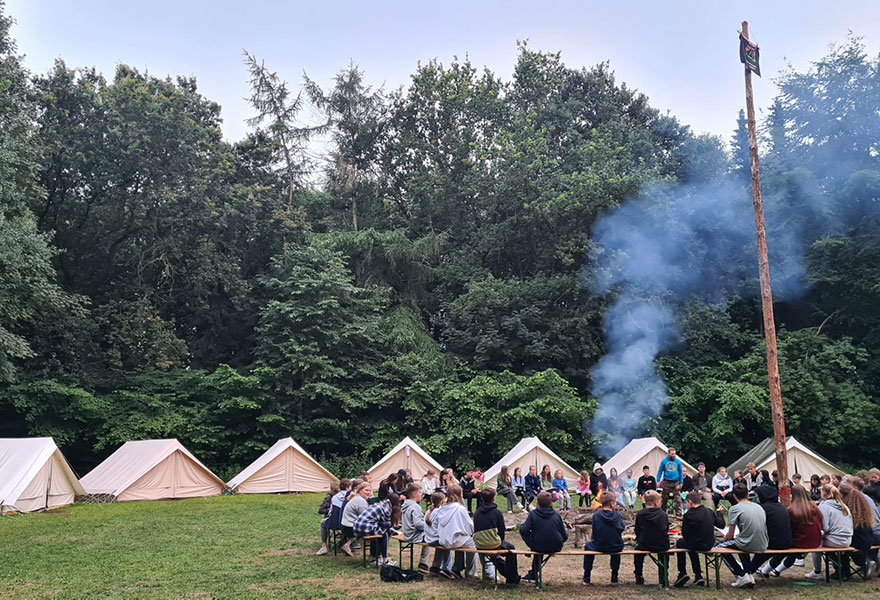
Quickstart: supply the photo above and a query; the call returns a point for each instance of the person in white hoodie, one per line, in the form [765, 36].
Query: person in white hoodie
[837, 526]
[456, 530]
[413, 522]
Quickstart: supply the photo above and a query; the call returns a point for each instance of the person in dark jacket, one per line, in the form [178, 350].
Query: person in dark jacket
[646, 481]
[468, 486]
[387, 487]
[697, 535]
[543, 532]
[778, 524]
[652, 534]
[598, 481]
[489, 535]
[606, 537]
[533, 485]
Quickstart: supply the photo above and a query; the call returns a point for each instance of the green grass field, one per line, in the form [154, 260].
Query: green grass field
[257, 547]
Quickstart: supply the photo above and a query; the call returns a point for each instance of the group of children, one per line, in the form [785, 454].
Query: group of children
[833, 512]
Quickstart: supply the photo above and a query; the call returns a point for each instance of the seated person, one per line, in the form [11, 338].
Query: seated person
[543, 532]
[778, 525]
[518, 482]
[326, 510]
[652, 534]
[837, 526]
[489, 531]
[413, 522]
[504, 487]
[456, 530]
[722, 487]
[533, 485]
[606, 537]
[357, 503]
[598, 482]
[378, 519]
[806, 531]
[441, 565]
[560, 486]
[749, 519]
[697, 535]
[702, 482]
[468, 489]
[583, 489]
[629, 490]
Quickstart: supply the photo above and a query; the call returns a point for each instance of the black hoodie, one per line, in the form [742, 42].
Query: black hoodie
[544, 531]
[698, 527]
[652, 530]
[488, 526]
[778, 521]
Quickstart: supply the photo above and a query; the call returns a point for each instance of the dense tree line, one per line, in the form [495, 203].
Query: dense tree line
[428, 277]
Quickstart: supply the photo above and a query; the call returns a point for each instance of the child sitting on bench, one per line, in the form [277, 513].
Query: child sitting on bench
[697, 535]
[489, 531]
[652, 534]
[543, 532]
[413, 522]
[606, 538]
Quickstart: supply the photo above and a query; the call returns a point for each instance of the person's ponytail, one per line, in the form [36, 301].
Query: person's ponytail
[832, 493]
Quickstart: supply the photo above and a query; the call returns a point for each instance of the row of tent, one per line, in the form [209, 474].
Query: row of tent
[34, 475]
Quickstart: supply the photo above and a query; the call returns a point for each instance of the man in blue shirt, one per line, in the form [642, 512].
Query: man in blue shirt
[670, 476]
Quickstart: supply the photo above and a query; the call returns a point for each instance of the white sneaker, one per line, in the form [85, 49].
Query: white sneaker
[322, 551]
[741, 582]
[799, 562]
[510, 512]
[814, 575]
[751, 578]
[519, 505]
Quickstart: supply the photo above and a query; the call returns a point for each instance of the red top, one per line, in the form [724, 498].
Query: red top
[807, 536]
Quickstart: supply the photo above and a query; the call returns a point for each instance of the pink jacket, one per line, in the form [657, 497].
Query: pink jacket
[583, 487]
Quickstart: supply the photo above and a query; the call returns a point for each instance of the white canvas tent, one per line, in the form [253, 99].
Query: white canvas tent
[528, 452]
[285, 467]
[405, 455]
[152, 470]
[34, 475]
[640, 452]
[800, 460]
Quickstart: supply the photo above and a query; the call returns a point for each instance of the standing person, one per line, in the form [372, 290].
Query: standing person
[606, 537]
[837, 526]
[356, 505]
[629, 490]
[533, 485]
[703, 483]
[652, 534]
[378, 519]
[543, 532]
[646, 481]
[862, 510]
[412, 522]
[583, 489]
[806, 531]
[750, 520]
[504, 485]
[560, 486]
[779, 534]
[697, 535]
[456, 530]
[614, 485]
[489, 529]
[671, 476]
[598, 481]
[519, 486]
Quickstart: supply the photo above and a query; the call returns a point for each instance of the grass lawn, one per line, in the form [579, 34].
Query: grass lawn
[263, 547]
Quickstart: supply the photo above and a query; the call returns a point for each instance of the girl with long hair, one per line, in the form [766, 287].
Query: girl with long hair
[455, 529]
[518, 482]
[863, 527]
[388, 486]
[806, 531]
[837, 528]
[378, 519]
[504, 487]
[547, 482]
[583, 489]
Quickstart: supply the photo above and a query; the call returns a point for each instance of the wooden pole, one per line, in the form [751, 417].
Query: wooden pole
[776, 409]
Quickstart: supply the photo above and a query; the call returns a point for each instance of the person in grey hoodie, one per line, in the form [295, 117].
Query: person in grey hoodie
[837, 526]
[413, 522]
[455, 529]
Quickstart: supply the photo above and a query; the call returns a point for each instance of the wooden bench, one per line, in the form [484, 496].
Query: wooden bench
[490, 554]
[713, 557]
[661, 559]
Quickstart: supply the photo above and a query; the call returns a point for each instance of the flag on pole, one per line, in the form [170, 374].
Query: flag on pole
[749, 55]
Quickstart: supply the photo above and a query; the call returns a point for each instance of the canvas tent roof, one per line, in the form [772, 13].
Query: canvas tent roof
[530, 451]
[800, 459]
[640, 452]
[405, 455]
[152, 470]
[285, 467]
[34, 475]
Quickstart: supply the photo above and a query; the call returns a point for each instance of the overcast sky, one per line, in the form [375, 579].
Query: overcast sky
[683, 55]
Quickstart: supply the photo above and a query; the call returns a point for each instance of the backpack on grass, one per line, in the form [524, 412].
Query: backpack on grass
[392, 573]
